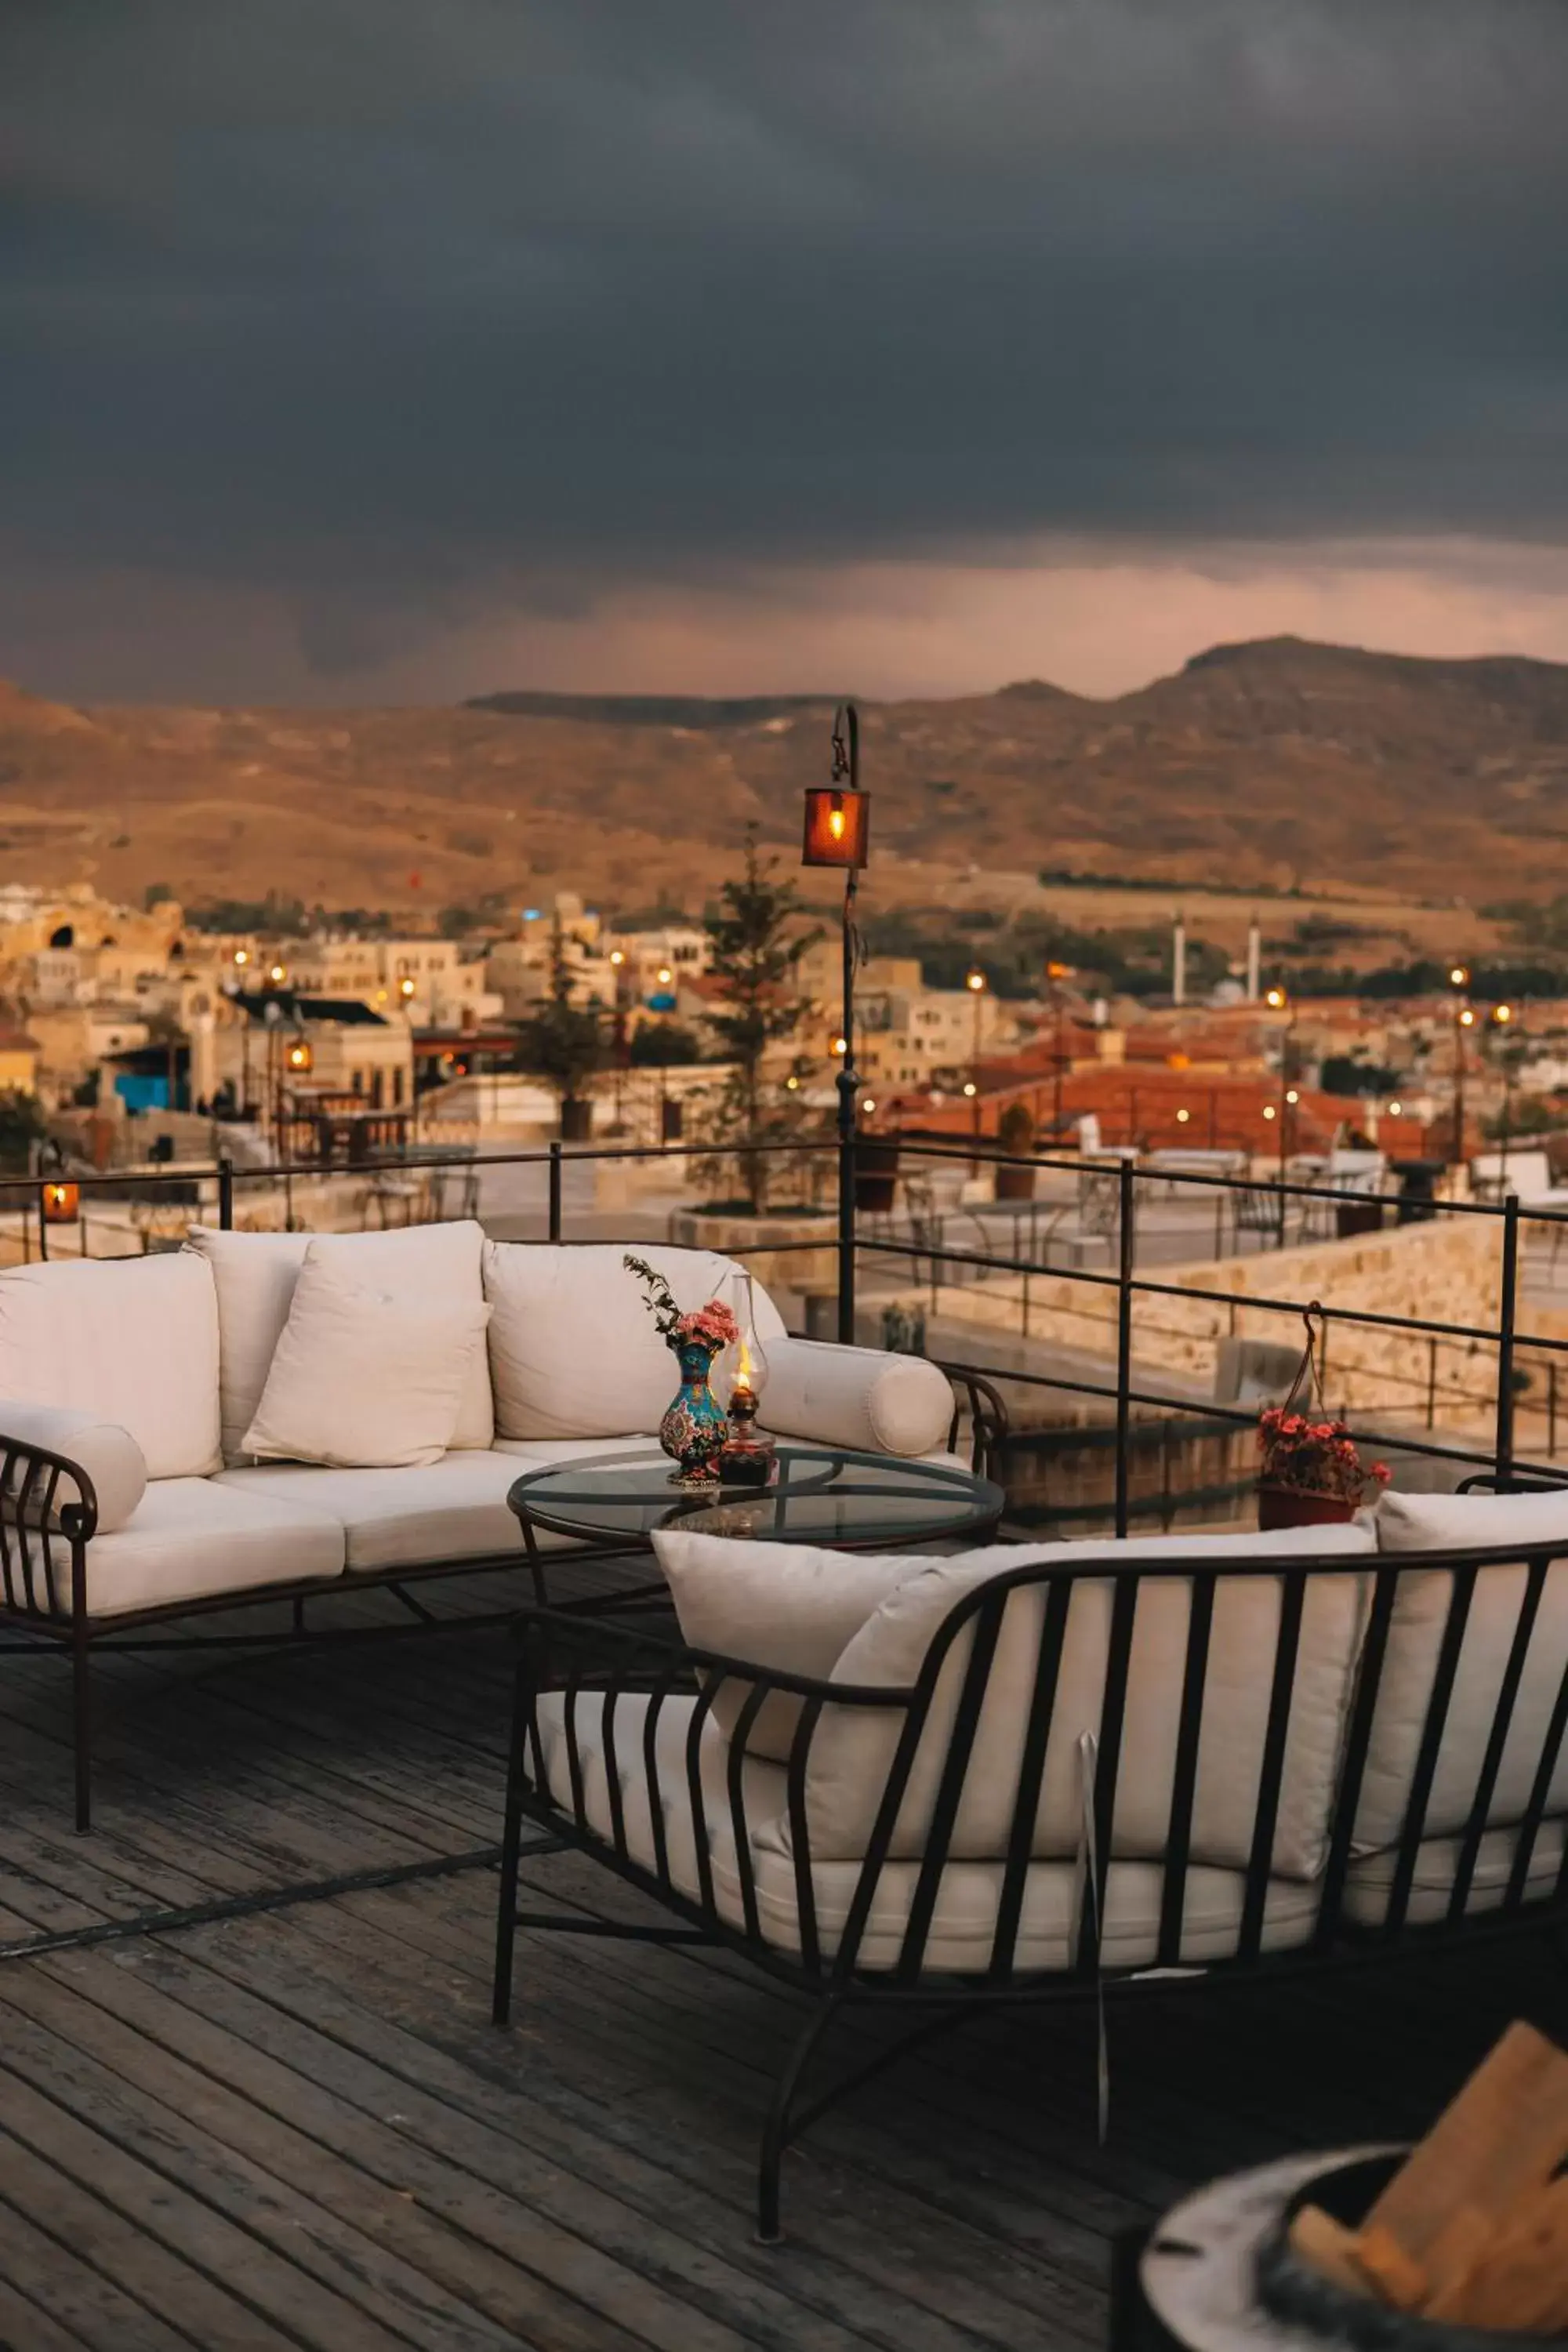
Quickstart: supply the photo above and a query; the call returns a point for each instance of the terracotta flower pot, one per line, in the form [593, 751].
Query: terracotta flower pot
[1293, 1507]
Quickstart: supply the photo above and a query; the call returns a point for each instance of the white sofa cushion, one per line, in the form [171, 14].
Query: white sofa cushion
[787, 1606]
[132, 1340]
[853, 1746]
[113, 1462]
[452, 1510]
[963, 1928]
[189, 1539]
[364, 1378]
[863, 1398]
[1414, 1523]
[1369, 1884]
[573, 1350]
[256, 1274]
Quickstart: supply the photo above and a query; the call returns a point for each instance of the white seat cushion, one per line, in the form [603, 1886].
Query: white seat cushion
[133, 1341]
[573, 1349]
[1413, 1523]
[256, 1274]
[963, 1927]
[555, 1453]
[1370, 1883]
[110, 1457]
[452, 1510]
[853, 1749]
[189, 1539]
[365, 1378]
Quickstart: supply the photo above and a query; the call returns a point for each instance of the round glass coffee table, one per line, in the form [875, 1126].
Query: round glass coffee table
[616, 1503]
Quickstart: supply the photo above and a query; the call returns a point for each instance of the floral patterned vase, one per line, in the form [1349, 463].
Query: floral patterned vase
[694, 1429]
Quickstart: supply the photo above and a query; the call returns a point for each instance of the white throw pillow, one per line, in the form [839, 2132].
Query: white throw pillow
[1419, 1523]
[573, 1350]
[256, 1274]
[863, 1398]
[362, 1379]
[108, 1455]
[853, 1747]
[787, 1606]
[132, 1340]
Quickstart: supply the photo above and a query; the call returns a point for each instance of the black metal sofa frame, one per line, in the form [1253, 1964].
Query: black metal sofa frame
[44, 1581]
[571, 1658]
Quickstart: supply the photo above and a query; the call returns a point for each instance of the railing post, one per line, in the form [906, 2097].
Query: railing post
[1551, 1409]
[555, 1191]
[43, 1226]
[1124, 1340]
[847, 1218]
[1503, 1465]
[226, 1194]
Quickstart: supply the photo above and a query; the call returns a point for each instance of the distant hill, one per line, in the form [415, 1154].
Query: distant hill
[1256, 764]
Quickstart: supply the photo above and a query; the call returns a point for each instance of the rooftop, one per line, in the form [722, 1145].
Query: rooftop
[298, 2127]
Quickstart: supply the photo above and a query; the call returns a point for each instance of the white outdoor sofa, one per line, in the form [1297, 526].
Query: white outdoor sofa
[129, 1491]
[1027, 1772]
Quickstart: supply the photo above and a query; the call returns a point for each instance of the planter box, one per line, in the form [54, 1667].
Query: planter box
[757, 1240]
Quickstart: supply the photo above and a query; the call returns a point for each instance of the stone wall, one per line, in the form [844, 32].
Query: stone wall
[1447, 1271]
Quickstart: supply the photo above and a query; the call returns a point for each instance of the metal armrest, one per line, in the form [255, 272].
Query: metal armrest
[988, 1418]
[42, 1536]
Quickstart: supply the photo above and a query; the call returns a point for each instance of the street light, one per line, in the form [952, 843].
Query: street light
[1464, 1018]
[838, 833]
[1055, 975]
[1503, 1015]
[975, 980]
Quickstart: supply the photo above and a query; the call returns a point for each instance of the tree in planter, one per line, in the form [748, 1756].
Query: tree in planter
[756, 946]
[21, 1127]
[564, 1043]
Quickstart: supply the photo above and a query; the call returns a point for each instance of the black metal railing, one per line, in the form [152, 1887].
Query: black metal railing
[1117, 1303]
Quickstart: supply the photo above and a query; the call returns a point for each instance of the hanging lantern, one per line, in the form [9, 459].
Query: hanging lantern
[62, 1204]
[837, 827]
[838, 813]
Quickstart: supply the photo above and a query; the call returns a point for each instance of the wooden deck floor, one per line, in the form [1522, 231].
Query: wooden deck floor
[299, 2128]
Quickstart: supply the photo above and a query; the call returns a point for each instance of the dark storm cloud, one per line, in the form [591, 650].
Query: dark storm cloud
[376, 302]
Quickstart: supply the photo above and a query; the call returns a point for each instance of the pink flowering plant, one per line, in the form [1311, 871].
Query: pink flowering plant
[1313, 1458]
[712, 1326]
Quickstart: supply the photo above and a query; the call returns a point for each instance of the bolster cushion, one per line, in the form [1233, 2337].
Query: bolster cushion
[856, 1397]
[109, 1456]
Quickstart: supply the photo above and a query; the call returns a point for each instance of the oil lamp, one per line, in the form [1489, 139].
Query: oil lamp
[62, 1203]
[747, 1459]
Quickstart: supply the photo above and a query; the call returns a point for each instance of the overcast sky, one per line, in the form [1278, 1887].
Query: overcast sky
[405, 348]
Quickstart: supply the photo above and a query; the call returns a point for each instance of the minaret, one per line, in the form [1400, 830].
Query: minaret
[1254, 960]
[1179, 961]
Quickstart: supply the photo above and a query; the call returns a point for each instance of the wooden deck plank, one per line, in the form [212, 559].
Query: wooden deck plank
[300, 2129]
[711, 2140]
[464, 2182]
[49, 2294]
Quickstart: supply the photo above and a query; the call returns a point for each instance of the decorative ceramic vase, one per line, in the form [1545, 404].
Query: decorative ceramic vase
[694, 1429]
[1292, 1506]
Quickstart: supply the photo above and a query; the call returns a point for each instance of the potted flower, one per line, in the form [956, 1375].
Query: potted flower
[694, 1429]
[1309, 1472]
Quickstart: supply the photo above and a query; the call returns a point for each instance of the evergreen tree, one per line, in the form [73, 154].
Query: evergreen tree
[563, 1044]
[756, 944]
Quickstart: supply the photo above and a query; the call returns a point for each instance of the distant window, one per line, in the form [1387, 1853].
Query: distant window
[64, 937]
[397, 1087]
[378, 1089]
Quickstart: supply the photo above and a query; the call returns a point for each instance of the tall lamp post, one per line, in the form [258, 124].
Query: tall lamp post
[975, 980]
[1278, 1001]
[1464, 1018]
[1501, 1014]
[838, 833]
[1055, 975]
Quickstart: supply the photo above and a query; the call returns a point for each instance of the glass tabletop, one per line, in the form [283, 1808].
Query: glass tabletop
[818, 1495]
